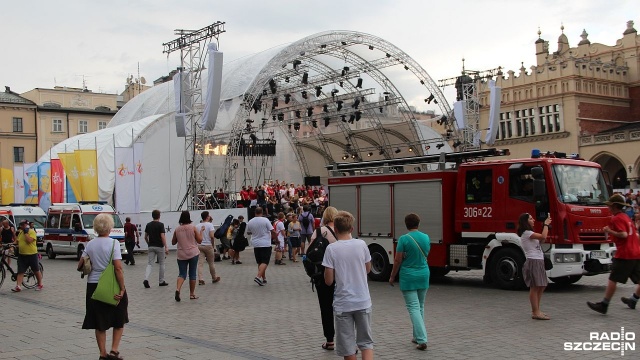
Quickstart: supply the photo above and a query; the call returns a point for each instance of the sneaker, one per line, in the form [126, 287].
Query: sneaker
[264, 281]
[146, 284]
[164, 283]
[630, 303]
[16, 289]
[258, 281]
[238, 262]
[39, 287]
[598, 307]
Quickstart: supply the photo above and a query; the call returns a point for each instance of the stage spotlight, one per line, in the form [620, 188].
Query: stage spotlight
[273, 117]
[296, 63]
[298, 114]
[345, 70]
[254, 138]
[370, 47]
[327, 120]
[406, 67]
[370, 154]
[286, 79]
[397, 151]
[429, 99]
[281, 117]
[439, 146]
[381, 152]
[248, 121]
[272, 85]
[358, 115]
[309, 111]
[344, 43]
[287, 98]
[422, 82]
[314, 123]
[334, 92]
[305, 78]
[435, 101]
[304, 94]
[325, 108]
[274, 103]
[359, 84]
[388, 55]
[353, 156]
[344, 118]
[264, 92]
[410, 149]
[318, 91]
[296, 126]
[356, 104]
[339, 102]
[341, 83]
[248, 127]
[352, 118]
[457, 143]
[345, 157]
[323, 46]
[380, 109]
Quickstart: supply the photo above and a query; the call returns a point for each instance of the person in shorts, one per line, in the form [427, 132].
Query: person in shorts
[27, 256]
[260, 229]
[347, 261]
[626, 261]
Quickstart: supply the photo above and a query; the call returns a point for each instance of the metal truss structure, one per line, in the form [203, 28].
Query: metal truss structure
[308, 67]
[192, 45]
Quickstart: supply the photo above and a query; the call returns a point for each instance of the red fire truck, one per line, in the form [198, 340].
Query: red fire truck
[469, 206]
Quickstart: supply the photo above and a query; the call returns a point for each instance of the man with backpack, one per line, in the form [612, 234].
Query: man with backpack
[308, 225]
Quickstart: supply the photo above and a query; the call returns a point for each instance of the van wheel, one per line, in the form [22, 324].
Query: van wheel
[506, 269]
[380, 266]
[50, 253]
[80, 250]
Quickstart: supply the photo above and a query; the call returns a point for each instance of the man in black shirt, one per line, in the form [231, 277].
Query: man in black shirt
[158, 249]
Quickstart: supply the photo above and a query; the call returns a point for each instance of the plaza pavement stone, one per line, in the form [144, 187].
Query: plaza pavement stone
[237, 319]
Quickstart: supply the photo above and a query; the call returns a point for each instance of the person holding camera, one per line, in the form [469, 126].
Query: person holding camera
[27, 255]
[533, 272]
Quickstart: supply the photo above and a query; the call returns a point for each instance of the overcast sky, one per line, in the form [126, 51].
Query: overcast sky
[47, 43]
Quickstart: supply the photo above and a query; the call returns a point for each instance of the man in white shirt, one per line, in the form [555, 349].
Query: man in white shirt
[260, 229]
[206, 247]
[347, 261]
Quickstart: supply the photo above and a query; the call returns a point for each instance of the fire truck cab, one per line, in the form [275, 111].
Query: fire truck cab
[69, 226]
[470, 209]
[16, 213]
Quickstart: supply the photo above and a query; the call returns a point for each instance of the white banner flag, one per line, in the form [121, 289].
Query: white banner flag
[125, 180]
[495, 96]
[139, 168]
[214, 83]
[18, 185]
[181, 86]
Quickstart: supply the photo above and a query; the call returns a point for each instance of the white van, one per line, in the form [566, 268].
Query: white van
[69, 226]
[16, 213]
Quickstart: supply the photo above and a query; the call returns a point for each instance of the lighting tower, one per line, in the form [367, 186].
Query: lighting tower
[193, 52]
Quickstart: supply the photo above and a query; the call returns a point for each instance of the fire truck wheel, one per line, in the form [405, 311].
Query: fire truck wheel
[380, 266]
[50, 253]
[80, 250]
[506, 268]
[438, 271]
[566, 280]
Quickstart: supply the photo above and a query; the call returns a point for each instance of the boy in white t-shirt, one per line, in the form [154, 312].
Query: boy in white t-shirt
[347, 261]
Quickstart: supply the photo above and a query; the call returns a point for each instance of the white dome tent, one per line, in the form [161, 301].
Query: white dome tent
[332, 61]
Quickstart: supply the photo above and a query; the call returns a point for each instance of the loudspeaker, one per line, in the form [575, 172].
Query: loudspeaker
[312, 181]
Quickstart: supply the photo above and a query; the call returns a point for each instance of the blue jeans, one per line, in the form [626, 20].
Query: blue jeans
[290, 248]
[193, 268]
[414, 300]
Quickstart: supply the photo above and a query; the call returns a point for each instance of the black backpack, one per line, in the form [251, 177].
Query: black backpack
[306, 221]
[315, 253]
[222, 230]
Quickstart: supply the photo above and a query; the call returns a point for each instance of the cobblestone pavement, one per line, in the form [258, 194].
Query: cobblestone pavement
[237, 319]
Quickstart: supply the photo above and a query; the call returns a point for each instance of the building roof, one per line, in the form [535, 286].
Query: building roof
[10, 97]
[626, 127]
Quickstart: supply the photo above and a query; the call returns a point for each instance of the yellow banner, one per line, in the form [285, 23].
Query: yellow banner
[68, 161]
[87, 163]
[6, 183]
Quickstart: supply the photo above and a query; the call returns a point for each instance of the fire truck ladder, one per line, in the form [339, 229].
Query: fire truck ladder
[455, 157]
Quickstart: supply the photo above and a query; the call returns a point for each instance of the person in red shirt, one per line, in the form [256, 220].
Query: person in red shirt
[244, 195]
[626, 261]
[131, 239]
[252, 194]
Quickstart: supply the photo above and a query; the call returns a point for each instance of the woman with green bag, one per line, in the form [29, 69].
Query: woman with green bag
[99, 315]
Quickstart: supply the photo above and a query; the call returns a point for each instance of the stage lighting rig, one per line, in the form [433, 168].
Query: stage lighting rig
[327, 120]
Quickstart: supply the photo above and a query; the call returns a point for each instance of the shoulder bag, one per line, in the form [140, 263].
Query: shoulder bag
[108, 285]
[414, 240]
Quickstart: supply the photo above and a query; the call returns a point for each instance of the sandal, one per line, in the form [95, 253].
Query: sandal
[114, 355]
[540, 317]
[422, 347]
[177, 296]
[215, 280]
[200, 282]
[328, 346]
[193, 297]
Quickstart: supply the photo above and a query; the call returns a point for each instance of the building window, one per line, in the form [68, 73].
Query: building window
[549, 119]
[525, 122]
[17, 124]
[57, 125]
[18, 154]
[506, 131]
[102, 125]
[83, 127]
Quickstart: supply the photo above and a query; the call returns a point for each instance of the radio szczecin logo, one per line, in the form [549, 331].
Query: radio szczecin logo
[605, 341]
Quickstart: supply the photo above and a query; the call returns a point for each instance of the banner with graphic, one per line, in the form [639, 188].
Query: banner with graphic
[31, 183]
[6, 181]
[87, 164]
[57, 181]
[44, 185]
[18, 184]
[137, 160]
[68, 161]
[125, 180]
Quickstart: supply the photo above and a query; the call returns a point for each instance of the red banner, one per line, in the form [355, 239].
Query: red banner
[57, 181]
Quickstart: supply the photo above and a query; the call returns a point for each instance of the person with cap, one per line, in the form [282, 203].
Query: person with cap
[626, 260]
[27, 255]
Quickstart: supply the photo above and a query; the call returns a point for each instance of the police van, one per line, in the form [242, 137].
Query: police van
[69, 226]
[17, 213]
